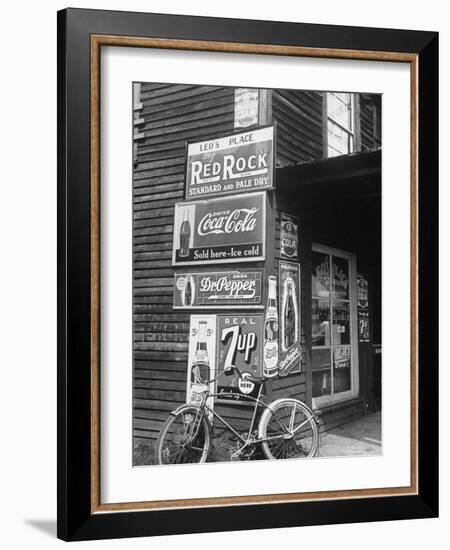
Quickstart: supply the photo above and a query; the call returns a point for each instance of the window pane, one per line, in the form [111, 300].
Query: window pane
[321, 323]
[342, 369]
[333, 153]
[320, 275]
[341, 323]
[340, 278]
[339, 140]
[340, 124]
[339, 109]
[321, 376]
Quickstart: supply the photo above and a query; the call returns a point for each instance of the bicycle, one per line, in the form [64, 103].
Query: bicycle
[287, 428]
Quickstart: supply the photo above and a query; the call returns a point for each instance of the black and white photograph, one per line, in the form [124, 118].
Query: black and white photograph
[257, 246]
[224, 277]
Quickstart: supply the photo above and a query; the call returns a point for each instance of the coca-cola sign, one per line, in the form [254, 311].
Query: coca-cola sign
[230, 229]
[288, 236]
[290, 353]
[236, 163]
[218, 289]
[246, 103]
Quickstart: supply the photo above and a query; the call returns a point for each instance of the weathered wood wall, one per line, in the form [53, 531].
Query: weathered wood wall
[370, 121]
[299, 119]
[172, 114]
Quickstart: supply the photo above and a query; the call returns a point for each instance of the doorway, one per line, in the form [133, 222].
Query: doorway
[334, 326]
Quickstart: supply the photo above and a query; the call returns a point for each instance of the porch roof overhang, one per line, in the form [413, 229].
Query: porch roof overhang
[358, 173]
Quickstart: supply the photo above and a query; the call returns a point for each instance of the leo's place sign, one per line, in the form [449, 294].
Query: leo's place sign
[231, 164]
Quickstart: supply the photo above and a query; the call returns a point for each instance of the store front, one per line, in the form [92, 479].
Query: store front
[311, 252]
[338, 201]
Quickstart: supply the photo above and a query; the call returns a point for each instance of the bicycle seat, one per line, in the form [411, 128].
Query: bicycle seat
[255, 379]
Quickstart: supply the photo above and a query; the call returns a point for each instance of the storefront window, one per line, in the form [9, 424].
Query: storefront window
[340, 278]
[342, 369]
[321, 376]
[331, 324]
[320, 275]
[341, 323]
[321, 323]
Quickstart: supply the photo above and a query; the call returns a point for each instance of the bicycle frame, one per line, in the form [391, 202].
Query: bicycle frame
[248, 440]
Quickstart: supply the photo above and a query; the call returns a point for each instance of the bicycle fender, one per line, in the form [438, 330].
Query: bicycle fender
[184, 407]
[268, 410]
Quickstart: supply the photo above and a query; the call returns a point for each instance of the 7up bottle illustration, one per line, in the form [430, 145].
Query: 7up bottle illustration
[201, 359]
[200, 367]
[271, 331]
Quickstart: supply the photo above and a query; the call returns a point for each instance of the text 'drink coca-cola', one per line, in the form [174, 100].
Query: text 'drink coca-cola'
[230, 229]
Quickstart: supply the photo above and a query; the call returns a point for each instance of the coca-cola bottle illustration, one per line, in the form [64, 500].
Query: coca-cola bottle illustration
[289, 317]
[185, 234]
[271, 331]
[187, 294]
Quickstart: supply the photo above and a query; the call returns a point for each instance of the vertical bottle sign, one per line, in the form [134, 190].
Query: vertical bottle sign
[271, 331]
[290, 356]
[288, 236]
[363, 308]
[201, 358]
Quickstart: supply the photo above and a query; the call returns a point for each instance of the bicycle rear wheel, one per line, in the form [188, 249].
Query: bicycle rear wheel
[289, 430]
[185, 437]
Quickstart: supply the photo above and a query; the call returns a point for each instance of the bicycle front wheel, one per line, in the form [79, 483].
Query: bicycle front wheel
[185, 437]
[288, 430]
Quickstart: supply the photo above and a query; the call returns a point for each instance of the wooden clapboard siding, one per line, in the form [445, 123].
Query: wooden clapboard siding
[172, 115]
[370, 121]
[298, 115]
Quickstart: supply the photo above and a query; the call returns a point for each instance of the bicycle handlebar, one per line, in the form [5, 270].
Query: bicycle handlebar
[227, 372]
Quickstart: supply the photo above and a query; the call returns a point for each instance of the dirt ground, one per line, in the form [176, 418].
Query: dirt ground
[360, 437]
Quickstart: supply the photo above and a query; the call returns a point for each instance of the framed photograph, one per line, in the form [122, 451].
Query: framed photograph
[295, 382]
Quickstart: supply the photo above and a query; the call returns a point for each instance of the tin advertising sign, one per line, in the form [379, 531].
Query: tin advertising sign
[290, 355]
[218, 289]
[201, 358]
[233, 164]
[363, 308]
[246, 101]
[224, 230]
[362, 291]
[288, 236]
[240, 343]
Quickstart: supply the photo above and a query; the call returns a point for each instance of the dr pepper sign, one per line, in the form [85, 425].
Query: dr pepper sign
[233, 164]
